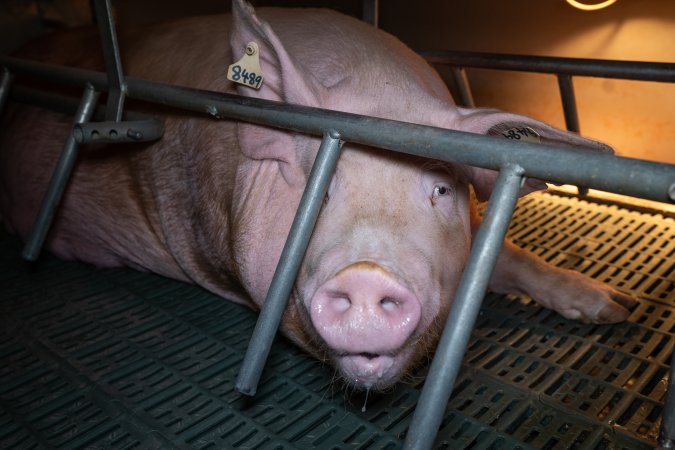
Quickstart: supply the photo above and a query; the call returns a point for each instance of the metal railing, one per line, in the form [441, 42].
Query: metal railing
[515, 161]
[563, 68]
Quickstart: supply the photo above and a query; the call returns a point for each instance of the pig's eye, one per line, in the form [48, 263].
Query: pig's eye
[440, 191]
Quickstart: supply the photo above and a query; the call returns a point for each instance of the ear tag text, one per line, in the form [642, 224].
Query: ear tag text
[247, 71]
[524, 133]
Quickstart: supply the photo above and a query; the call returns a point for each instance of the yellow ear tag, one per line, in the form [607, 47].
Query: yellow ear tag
[247, 70]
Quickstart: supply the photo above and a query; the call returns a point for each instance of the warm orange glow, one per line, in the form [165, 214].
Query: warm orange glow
[593, 7]
[666, 209]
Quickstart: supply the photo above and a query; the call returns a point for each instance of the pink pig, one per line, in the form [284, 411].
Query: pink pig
[212, 202]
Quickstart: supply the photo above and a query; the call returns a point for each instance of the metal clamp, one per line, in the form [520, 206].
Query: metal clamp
[118, 132]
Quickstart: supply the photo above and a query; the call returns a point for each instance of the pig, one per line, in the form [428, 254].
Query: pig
[212, 202]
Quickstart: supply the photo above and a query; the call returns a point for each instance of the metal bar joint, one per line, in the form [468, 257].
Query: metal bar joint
[60, 176]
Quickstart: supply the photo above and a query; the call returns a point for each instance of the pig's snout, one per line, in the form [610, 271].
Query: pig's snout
[366, 317]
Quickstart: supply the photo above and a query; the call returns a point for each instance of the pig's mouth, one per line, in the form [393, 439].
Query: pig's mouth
[372, 371]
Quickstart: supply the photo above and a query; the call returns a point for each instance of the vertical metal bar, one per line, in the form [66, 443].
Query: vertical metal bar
[59, 179]
[667, 433]
[113, 62]
[569, 102]
[371, 12]
[289, 264]
[446, 364]
[463, 88]
[5, 82]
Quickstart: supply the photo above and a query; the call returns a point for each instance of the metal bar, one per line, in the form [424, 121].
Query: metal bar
[289, 264]
[629, 70]
[118, 132]
[667, 433]
[462, 317]
[113, 62]
[569, 102]
[371, 12]
[627, 176]
[59, 179]
[57, 74]
[5, 83]
[637, 178]
[63, 103]
[463, 88]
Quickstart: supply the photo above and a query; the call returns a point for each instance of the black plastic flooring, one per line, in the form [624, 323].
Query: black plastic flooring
[93, 358]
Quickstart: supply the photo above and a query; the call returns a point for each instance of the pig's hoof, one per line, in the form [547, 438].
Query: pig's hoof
[578, 297]
[617, 309]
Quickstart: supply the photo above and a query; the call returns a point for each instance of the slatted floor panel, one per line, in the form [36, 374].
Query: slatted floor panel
[119, 359]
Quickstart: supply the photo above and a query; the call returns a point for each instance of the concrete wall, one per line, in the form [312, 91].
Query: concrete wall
[637, 118]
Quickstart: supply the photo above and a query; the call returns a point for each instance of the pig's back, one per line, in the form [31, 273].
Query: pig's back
[110, 214]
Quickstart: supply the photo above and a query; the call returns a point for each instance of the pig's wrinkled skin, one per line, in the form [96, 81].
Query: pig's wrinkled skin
[212, 202]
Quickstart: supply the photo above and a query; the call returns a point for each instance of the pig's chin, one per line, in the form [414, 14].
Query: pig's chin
[368, 371]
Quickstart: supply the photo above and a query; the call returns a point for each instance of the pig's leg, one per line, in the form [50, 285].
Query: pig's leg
[570, 293]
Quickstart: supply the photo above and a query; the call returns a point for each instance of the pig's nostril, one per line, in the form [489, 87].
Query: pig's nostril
[340, 301]
[389, 304]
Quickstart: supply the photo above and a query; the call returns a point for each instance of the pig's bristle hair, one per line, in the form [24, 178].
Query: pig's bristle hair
[426, 348]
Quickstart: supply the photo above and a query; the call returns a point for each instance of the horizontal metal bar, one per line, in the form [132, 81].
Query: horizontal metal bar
[62, 103]
[289, 264]
[59, 180]
[630, 70]
[464, 311]
[638, 178]
[118, 132]
[71, 76]
[627, 176]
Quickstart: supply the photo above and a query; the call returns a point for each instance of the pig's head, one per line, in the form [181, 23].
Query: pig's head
[394, 233]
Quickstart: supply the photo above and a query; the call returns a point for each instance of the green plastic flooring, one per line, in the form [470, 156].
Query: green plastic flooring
[113, 358]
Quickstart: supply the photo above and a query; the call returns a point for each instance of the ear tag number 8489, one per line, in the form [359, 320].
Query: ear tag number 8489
[247, 70]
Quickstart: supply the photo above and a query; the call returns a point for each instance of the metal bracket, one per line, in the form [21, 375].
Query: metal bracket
[118, 132]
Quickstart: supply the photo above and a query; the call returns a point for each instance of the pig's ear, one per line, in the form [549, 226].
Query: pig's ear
[513, 126]
[284, 80]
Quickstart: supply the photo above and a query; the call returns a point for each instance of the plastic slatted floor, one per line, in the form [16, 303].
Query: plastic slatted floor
[117, 359]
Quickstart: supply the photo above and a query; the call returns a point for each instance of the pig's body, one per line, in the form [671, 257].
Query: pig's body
[212, 202]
